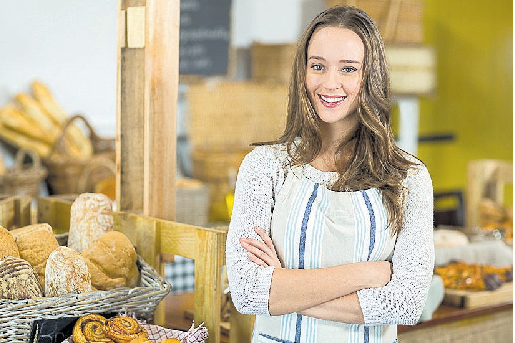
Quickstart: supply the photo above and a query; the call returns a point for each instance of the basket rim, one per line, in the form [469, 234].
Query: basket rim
[158, 284]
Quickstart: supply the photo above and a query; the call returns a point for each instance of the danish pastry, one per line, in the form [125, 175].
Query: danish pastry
[91, 328]
[124, 329]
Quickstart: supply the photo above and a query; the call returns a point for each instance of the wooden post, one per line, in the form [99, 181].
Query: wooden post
[148, 82]
[148, 78]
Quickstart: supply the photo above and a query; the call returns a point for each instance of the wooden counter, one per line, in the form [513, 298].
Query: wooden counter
[449, 324]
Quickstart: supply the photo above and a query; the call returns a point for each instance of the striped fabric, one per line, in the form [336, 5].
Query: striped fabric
[313, 227]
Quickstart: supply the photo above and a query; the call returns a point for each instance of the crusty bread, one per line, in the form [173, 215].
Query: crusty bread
[35, 243]
[90, 218]
[112, 262]
[8, 246]
[18, 280]
[66, 273]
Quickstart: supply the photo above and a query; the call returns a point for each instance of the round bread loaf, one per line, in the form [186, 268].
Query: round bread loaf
[66, 272]
[8, 246]
[90, 218]
[35, 243]
[18, 280]
[112, 262]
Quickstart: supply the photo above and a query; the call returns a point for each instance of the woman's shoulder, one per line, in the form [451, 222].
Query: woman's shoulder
[267, 159]
[418, 174]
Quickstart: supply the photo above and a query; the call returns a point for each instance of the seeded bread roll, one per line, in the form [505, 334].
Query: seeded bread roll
[8, 246]
[90, 218]
[112, 262]
[35, 243]
[66, 273]
[18, 280]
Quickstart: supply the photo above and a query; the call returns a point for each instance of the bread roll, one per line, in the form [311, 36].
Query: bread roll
[112, 262]
[66, 273]
[18, 280]
[90, 218]
[8, 246]
[35, 243]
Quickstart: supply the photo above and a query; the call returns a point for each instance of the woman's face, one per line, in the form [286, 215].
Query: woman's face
[333, 74]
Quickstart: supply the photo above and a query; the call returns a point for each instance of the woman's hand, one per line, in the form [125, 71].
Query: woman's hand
[261, 253]
[378, 273]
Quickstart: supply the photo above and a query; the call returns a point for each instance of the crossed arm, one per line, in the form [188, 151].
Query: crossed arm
[325, 293]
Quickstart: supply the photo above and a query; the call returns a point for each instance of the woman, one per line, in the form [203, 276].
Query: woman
[319, 213]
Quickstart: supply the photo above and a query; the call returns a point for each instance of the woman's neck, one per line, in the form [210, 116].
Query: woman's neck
[329, 156]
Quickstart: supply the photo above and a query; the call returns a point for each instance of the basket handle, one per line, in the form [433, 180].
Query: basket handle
[20, 156]
[59, 142]
[95, 163]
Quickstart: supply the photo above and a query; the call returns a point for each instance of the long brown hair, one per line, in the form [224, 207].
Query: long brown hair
[376, 161]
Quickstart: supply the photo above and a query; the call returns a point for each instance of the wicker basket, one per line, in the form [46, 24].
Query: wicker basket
[65, 170]
[17, 316]
[399, 21]
[23, 179]
[217, 168]
[192, 204]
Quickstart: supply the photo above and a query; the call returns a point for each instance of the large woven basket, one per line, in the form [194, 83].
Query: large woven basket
[65, 169]
[23, 179]
[16, 317]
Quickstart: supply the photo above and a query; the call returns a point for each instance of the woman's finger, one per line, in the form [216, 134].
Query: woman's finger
[258, 249]
[266, 238]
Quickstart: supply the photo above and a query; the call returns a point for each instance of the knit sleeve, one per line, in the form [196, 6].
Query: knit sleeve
[402, 300]
[259, 177]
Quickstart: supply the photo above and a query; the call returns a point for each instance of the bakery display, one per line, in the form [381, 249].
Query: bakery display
[90, 218]
[478, 277]
[18, 280]
[8, 246]
[111, 261]
[66, 273]
[35, 243]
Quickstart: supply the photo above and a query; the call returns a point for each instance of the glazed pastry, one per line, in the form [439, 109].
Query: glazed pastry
[140, 340]
[124, 329]
[171, 340]
[90, 328]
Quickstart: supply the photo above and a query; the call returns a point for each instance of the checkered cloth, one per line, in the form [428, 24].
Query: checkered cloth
[181, 274]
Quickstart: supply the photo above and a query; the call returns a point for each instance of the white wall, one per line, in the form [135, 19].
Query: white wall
[68, 45]
[71, 47]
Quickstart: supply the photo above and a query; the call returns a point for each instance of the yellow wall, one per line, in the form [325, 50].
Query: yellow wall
[474, 98]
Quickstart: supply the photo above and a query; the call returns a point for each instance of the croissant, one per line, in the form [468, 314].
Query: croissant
[91, 328]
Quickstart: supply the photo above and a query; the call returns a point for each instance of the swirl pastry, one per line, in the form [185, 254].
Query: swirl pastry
[124, 329]
[91, 329]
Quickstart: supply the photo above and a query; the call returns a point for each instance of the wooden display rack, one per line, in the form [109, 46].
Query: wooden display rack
[151, 237]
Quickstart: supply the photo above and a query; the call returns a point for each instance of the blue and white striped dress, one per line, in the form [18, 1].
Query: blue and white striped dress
[314, 227]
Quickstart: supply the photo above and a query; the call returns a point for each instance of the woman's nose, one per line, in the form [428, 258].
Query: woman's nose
[332, 79]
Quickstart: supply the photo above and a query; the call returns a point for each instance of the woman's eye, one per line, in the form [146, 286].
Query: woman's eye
[349, 69]
[317, 67]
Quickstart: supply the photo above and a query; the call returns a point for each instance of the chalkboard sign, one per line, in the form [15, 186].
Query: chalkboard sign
[204, 37]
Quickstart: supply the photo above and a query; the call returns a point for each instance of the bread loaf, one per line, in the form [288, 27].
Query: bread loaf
[8, 246]
[90, 218]
[35, 243]
[18, 280]
[112, 262]
[66, 273]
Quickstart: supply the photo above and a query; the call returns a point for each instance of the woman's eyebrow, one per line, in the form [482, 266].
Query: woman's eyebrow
[341, 61]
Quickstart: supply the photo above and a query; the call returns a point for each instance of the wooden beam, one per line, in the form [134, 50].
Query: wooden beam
[160, 107]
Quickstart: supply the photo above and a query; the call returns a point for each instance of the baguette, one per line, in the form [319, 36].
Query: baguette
[24, 142]
[55, 112]
[31, 108]
[16, 120]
